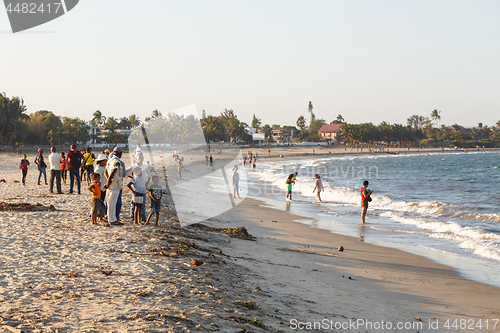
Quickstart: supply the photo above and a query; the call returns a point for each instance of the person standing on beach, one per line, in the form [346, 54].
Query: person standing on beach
[236, 183]
[114, 172]
[24, 168]
[55, 170]
[155, 193]
[211, 160]
[64, 168]
[179, 166]
[75, 163]
[96, 203]
[142, 182]
[365, 198]
[206, 159]
[101, 169]
[88, 161]
[253, 162]
[290, 181]
[318, 186]
[41, 166]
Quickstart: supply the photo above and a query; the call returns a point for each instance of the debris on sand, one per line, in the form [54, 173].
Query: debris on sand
[239, 232]
[196, 262]
[25, 207]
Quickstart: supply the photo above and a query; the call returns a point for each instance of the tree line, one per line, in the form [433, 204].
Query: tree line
[44, 127]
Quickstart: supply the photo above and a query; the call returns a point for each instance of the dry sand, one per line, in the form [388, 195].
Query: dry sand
[60, 273]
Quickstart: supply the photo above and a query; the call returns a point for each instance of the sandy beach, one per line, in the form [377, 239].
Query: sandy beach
[61, 274]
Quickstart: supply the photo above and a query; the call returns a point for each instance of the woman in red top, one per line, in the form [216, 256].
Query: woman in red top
[365, 196]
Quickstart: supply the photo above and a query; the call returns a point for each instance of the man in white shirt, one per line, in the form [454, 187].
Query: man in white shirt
[115, 170]
[55, 170]
[141, 181]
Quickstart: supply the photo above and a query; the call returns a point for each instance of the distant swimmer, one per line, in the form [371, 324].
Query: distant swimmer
[318, 186]
[289, 182]
[365, 198]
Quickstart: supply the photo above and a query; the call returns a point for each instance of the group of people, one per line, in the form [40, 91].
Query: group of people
[104, 174]
[318, 188]
[251, 159]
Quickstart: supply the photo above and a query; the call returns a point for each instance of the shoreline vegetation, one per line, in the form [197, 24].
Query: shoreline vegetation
[43, 127]
[251, 269]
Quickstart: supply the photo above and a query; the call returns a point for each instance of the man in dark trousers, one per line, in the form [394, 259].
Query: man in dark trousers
[75, 159]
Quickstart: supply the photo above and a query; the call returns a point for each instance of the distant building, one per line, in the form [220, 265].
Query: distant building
[282, 135]
[330, 133]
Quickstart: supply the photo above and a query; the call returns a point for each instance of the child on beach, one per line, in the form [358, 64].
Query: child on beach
[365, 198]
[95, 189]
[64, 168]
[318, 186]
[24, 167]
[290, 181]
[155, 194]
[138, 191]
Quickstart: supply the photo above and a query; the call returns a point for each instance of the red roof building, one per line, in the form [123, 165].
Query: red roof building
[330, 132]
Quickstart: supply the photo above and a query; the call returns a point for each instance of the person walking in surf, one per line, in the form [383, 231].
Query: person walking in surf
[318, 186]
[290, 181]
[365, 198]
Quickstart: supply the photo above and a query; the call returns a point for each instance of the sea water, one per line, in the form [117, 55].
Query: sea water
[443, 205]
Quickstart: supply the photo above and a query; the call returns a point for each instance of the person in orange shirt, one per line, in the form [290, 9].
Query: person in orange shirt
[95, 189]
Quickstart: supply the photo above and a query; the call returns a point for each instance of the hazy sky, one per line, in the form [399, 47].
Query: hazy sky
[367, 60]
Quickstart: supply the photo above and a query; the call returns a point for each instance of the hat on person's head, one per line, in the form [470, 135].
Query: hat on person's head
[101, 157]
[117, 150]
[106, 151]
[40, 150]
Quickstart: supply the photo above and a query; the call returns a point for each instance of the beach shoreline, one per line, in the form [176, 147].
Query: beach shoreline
[293, 271]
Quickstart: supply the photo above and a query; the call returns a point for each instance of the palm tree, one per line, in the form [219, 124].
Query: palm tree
[134, 120]
[155, 114]
[256, 122]
[111, 124]
[228, 114]
[498, 124]
[310, 110]
[436, 116]
[99, 119]
[267, 130]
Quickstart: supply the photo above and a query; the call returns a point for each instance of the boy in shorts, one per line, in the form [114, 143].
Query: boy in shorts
[155, 195]
[138, 191]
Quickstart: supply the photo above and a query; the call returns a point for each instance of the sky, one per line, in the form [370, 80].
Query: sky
[370, 61]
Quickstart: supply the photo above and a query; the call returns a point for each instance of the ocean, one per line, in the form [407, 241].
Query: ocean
[442, 205]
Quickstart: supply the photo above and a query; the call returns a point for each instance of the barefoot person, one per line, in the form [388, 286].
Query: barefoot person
[365, 198]
[290, 181]
[155, 194]
[138, 192]
[39, 161]
[95, 189]
[236, 183]
[64, 168]
[115, 170]
[24, 167]
[318, 186]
